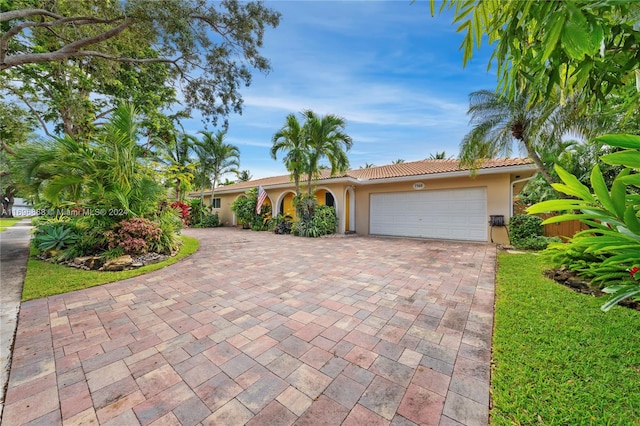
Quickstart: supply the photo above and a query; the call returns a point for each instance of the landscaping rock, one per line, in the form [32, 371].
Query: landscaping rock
[118, 264]
[91, 263]
[150, 258]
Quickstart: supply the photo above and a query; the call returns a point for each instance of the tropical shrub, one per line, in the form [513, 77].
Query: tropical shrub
[524, 226]
[323, 222]
[245, 210]
[611, 246]
[198, 212]
[537, 243]
[210, 221]
[93, 239]
[135, 236]
[183, 211]
[281, 224]
[526, 233]
[170, 225]
[55, 236]
[305, 205]
[111, 172]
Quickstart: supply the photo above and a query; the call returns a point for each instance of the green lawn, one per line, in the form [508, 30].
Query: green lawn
[46, 279]
[7, 222]
[558, 359]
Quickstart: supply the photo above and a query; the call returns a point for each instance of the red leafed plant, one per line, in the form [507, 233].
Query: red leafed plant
[134, 236]
[183, 211]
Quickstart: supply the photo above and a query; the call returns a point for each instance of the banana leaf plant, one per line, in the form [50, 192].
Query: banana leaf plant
[613, 237]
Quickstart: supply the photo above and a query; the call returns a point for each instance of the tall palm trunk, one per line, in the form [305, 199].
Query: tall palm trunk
[538, 162]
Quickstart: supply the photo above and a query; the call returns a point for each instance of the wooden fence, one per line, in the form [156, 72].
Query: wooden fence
[564, 229]
[561, 229]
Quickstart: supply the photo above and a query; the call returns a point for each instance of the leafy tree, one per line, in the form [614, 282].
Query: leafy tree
[76, 94]
[291, 139]
[16, 128]
[217, 158]
[325, 138]
[578, 46]
[137, 50]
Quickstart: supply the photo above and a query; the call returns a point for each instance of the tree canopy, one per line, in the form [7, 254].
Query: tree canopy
[206, 49]
[539, 46]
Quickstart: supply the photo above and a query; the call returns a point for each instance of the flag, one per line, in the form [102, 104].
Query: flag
[262, 195]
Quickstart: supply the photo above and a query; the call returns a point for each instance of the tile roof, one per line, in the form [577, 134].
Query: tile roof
[414, 168]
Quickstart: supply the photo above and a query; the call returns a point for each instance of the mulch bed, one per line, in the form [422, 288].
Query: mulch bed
[569, 279]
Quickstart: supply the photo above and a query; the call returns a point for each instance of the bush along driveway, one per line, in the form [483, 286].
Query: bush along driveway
[257, 327]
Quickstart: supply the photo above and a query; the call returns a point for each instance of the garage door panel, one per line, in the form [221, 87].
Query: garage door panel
[458, 214]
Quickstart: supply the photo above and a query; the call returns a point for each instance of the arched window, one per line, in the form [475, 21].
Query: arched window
[328, 199]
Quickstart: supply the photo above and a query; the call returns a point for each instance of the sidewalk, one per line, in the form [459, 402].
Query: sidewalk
[14, 252]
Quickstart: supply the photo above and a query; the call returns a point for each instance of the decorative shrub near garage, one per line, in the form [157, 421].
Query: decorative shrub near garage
[323, 221]
[526, 233]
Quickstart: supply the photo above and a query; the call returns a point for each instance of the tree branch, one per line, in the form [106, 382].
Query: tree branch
[104, 113]
[70, 50]
[125, 59]
[6, 147]
[34, 112]
[25, 13]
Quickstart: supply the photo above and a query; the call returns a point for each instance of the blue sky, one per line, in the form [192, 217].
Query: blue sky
[390, 69]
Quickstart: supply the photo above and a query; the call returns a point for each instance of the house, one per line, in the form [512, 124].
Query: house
[424, 199]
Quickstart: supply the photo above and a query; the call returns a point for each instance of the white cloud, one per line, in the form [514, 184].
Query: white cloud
[393, 72]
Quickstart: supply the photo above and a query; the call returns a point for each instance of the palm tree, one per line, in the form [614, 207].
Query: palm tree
[176, 153]
[217, 158]
[498, 122]
[438, 156]
[325, 138]
[290, 139]
[367, 166]
[244, 176]
[398, 161]
[111, 171]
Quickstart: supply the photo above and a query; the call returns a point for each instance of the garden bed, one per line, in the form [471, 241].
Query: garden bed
[570, 279]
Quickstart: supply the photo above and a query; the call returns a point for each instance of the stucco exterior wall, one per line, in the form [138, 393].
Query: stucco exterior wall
[498, 198]
[498, 190]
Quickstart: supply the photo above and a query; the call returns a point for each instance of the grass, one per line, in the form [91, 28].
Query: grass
[558, 359]
[46, 279]
[7, 222]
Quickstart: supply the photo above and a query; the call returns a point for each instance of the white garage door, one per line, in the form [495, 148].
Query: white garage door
[457, 214]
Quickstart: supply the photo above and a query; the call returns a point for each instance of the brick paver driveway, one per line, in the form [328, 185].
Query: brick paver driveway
[265, 329]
